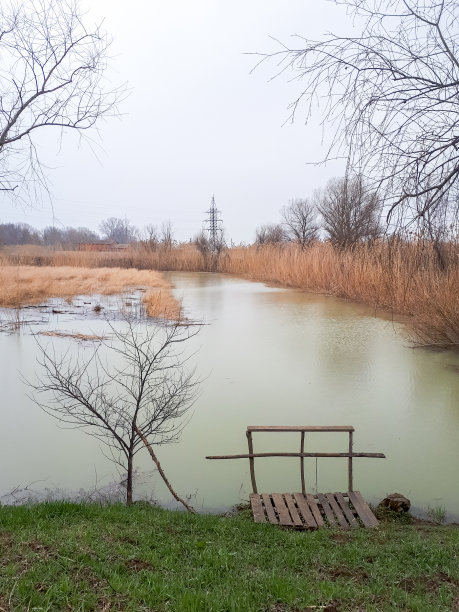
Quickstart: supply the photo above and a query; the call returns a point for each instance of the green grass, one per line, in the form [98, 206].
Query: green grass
[65, 556]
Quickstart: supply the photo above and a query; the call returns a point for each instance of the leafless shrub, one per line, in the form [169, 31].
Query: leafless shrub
[350, 212]
[300, 219]
[167, 235]
[210, 250]
[150, 237]
[272, 233]
[119, 230]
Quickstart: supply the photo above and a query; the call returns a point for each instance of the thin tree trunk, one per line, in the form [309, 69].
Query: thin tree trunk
[160, 470]
[129, 481]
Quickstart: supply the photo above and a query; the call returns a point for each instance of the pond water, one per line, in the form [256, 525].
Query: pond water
[267, 356]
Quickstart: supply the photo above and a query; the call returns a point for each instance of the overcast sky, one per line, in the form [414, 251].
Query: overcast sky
[197, 121]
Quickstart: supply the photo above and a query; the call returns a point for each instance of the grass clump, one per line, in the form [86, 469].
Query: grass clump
[25, 284]
[60, 555]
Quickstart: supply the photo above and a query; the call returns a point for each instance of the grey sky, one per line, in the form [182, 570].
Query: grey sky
[197, 122]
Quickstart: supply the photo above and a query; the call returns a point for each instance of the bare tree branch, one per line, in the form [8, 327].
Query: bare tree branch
[390, 96]
[52, 74]
[300, 219]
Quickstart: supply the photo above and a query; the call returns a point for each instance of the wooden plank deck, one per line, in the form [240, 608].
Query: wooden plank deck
[313, 511]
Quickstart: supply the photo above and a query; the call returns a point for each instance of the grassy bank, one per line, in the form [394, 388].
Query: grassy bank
[62, 556]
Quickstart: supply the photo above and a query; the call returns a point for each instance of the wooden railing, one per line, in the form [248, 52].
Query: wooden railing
[302, 454]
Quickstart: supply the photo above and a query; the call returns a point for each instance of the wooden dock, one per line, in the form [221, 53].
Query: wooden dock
[336, 510]
[306, 510]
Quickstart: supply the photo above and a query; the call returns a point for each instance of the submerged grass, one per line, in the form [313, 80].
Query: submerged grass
[60, 556]
[27, 284]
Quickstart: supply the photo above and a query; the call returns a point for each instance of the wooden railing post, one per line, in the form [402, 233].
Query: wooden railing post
[252, 462]
[349, 465]
[303, 486]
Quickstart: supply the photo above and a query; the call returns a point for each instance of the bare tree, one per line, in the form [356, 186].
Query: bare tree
[134, 396]
[69, 236]
[203, 245]
[119, 230]
[167, 234]
[300, 220]
[18, 233]
[350, 211]
[211, 250]
[439, 226]
[51, 75]
[150, 237]
[271, 233]
[392, 95]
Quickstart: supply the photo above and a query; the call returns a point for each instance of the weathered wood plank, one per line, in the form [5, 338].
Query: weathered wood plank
[363, 510]
[349, 464]
[337, 510]
[300, 428]
[252, 462]
[269, 509]
[296, 518]
[282, 510]
[346, 510]
[253, 455]
[305, 510]
[303, 484]
[326, 508]
[257, 508]
[315, 510]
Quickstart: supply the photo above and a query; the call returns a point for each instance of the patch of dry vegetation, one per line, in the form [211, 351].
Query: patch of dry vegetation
[401, 276]
[27, 284]
[162, 304]
[75, 336]
[184, 258]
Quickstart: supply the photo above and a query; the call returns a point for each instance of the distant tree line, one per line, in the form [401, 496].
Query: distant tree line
[346, 212]
[111, 229]
[22, 233]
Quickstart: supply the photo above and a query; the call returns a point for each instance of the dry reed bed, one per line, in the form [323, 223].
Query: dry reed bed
[403, 277]
[25, 284]
[184, 258]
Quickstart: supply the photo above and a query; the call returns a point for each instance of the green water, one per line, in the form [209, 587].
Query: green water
[267, 357]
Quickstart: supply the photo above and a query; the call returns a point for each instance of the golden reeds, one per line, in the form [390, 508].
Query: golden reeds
[25, 284]
[402, 276]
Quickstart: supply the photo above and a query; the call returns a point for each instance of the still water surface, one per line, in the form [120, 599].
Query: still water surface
[267, 356]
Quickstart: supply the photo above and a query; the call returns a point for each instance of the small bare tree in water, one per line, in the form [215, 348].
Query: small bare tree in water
[134, 396]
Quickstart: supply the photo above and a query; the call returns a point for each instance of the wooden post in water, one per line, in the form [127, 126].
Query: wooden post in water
[252, 462]
[303, 486]
[349, 465]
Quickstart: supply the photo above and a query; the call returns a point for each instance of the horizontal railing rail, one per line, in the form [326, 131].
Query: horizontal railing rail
[311, 428]
[249, 455]
[303, 429]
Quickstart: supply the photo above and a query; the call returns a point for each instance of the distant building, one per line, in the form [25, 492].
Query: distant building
[107, 245]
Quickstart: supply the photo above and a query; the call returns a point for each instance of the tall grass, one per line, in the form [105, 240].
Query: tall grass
[401, 276]
[183, 258]
[26, 284]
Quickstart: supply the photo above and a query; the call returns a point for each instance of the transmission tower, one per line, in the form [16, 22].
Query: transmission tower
[213, 226]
